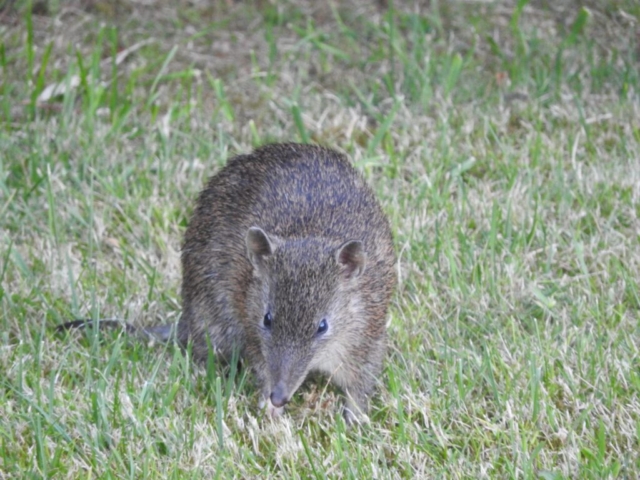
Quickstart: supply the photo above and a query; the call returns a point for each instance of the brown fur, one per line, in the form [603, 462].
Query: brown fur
[293, 230]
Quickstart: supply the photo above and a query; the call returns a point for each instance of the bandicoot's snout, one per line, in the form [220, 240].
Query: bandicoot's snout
[279, 396]
[282, 380]
[288, 370]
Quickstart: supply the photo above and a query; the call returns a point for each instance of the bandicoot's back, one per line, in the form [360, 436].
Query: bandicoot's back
[289, 258]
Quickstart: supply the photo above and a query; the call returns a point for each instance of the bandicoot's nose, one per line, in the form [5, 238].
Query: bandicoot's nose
[279, 396]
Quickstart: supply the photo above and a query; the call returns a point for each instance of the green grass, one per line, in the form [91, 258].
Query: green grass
[503, 140]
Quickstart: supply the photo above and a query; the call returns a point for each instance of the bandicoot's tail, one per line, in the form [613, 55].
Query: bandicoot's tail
[162, 333]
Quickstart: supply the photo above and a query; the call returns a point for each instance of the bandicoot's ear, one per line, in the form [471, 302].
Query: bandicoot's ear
[259, 246]
[352, 258]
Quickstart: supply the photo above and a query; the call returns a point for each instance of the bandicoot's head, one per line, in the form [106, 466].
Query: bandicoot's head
[304, 306]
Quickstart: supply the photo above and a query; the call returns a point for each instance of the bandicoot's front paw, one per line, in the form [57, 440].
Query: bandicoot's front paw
[353, 415]
[272, 411]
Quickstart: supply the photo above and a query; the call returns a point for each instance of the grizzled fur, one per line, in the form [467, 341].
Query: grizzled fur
[291, 231]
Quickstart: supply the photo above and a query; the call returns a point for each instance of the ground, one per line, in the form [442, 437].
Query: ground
[503, 140]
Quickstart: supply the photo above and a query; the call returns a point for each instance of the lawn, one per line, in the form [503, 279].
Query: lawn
[502, 139]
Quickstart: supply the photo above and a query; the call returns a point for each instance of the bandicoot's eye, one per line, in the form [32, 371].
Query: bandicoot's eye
[267, 320]
[323, 327]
